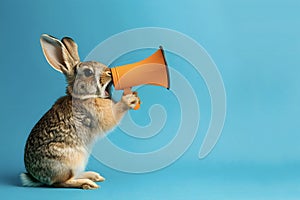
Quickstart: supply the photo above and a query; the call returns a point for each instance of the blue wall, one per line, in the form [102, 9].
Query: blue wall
[255, 45]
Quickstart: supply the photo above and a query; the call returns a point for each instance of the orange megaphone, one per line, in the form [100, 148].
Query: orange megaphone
[152, 70]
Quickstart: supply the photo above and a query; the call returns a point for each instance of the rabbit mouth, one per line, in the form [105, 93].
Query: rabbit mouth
[108, 90]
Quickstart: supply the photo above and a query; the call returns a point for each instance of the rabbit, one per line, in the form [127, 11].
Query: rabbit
[58, 147]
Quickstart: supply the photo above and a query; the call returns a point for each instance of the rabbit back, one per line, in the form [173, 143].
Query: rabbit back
[56, 147]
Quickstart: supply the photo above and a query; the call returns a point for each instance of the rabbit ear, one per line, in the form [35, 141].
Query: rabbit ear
[72, 48]
[56, 54]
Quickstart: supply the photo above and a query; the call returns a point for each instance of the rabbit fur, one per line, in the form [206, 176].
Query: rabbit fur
[59, 145]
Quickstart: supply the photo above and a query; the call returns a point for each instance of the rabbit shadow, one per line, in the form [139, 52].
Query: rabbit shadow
[14, 180]
[11, 179]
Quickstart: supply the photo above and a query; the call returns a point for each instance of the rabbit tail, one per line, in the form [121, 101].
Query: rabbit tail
[29, 181]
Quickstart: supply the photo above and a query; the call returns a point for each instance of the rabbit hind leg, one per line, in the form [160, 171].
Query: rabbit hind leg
[93, 176]
[78, 183]
[66, 179]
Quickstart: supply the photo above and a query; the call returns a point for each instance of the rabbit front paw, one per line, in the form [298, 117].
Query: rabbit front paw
[131, 100]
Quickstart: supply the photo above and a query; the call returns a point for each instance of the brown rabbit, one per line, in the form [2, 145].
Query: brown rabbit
[59, 145]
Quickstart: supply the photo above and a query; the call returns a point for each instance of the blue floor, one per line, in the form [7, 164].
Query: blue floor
[189, 180]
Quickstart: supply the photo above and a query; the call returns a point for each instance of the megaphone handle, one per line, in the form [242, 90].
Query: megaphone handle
[128, 91]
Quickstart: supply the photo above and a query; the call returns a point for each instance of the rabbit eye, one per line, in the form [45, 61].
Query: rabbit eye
[88, 72]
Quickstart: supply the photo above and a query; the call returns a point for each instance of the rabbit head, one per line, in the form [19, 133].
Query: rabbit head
[85, 79]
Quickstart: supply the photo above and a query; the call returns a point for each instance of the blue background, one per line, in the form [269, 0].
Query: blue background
[254, 43]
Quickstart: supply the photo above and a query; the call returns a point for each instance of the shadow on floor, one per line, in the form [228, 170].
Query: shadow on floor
[12, 179]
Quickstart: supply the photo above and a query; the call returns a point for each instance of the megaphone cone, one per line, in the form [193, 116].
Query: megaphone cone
[152, 70]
